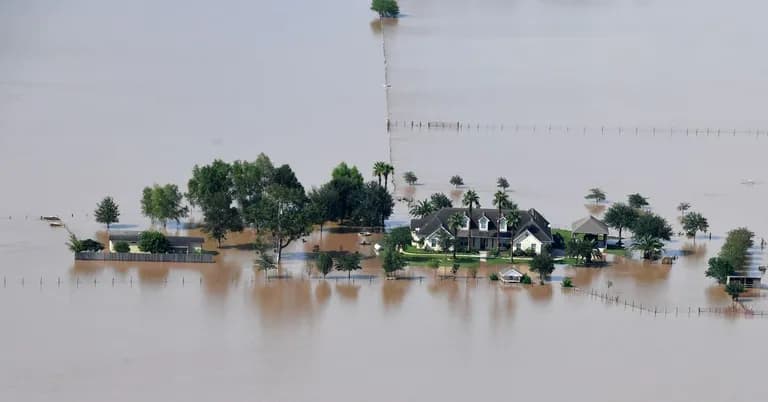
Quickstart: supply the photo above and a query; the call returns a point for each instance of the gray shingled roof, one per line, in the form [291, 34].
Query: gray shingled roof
[531, 220]
[590, 225]
[175, 241]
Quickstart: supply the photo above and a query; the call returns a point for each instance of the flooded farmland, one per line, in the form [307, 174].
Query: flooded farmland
[105, 98]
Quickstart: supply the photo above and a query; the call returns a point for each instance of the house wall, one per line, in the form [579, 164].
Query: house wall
[528, 241]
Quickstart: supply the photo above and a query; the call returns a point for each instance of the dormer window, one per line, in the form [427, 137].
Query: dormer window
[503, 225]
[483, 222]
[466, 223]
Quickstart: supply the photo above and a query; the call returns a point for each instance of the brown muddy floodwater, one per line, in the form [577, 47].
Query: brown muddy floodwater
[105, 97]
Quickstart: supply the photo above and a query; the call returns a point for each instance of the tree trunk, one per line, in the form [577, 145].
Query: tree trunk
[469, 231]
[606, 240]
[386, 181]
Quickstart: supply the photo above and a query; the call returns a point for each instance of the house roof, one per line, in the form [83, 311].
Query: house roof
[175, 241]
[511, 272]
[531, 220]
[590, 225]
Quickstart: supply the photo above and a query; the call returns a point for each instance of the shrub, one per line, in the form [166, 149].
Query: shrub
[122, 247]
[153, 242]
[493, 276]
[91, 245]
[567, 282]
[526, 280]
[455, 268]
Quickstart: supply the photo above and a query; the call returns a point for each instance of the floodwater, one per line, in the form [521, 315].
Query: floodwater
[102, 97]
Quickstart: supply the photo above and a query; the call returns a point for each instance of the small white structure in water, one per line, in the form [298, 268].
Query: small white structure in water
[511, 276]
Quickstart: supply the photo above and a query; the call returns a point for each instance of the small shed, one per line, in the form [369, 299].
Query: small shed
[511, 276]
[594, 227]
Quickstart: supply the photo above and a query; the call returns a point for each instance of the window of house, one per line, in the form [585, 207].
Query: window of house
[483, 223]
[466, 223]
[533, 247]
[503, 225]
[433, 243]
[519, 246]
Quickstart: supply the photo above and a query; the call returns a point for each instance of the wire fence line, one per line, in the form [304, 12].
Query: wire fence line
[613, 130]
[676, 311]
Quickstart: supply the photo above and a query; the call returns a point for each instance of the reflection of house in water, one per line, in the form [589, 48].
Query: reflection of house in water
[179, 244]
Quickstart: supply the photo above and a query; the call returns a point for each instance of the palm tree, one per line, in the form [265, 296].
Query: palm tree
[650, 246]
[682, 207]
[388, 170]
[378, 169]
[513, 221]
[455, 222]
[500, 201]
[421, 209]
[470, 200]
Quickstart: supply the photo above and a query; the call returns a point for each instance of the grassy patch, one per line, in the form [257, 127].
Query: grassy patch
[563, 232]
[622, 252]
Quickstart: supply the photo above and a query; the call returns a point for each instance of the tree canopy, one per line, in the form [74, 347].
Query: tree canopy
[154, 242]
[163, 203]
[648, 224]
[595, 194]
[107, 212]
[348, 262]
[637, 201]
[440, 201]
[410, 178]
[324, 263]
[456, 181]
[543, 264]
[719, 269]
[620, 216]
[650, 246]
[694, 222]
[502, 183]
[386, 8]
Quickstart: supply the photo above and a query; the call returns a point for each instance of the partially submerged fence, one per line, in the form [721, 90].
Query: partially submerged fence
[141, 257]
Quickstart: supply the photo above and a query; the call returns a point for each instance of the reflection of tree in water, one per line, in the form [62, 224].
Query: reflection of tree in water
[376, 24]
[642, 272]
[541, 293]
[322, 292]
[694, 252]
[347, 291]
[503, 304]
[456, 196]
[393, 292]
[281, 301]
[584, 277]
[595, 209]
[455, 291]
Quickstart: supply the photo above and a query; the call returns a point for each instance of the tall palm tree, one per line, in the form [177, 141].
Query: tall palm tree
[455, 222]
[378, 169]
[513, 221]
[500, 201]
[470, 201]
[421, 209]
[650, 246]
[388, 170]
[682, 207]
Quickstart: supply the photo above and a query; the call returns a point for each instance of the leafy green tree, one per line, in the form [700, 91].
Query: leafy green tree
[637, 201]
[543, 264]
[211, 188]
[694, 222]
[440, 201]
[321, 204]
[392, 260]
[682, 207]
[583, 249]
[386, 8]
[347, 183]
[734, 290]
[248, 182]
[736, 246]
[621, 216]
[719, 269]
[595, 194]
[285, 216]
[567, 282]
[421, 209]
[92, 245]
[373, 204]
[400, 237]
[650, 246]
[348, 262]
[651, 225]
[324, 263]
[163, 203]
[455, 222]
[410, 178]
[107, 212]
[456, 181]
[122, 247]
[526, 279]
[502, 183]
[470, 200]
[153, 242]
[446, 241]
